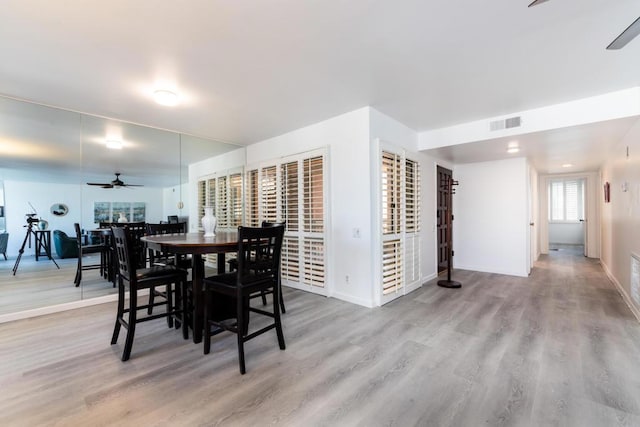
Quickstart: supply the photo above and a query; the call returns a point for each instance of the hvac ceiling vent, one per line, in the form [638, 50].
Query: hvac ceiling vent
[511, 122]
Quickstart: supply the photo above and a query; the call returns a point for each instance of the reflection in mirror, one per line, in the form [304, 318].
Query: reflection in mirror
[47, 157]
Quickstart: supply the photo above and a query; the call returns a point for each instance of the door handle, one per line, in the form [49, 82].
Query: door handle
[531, 224]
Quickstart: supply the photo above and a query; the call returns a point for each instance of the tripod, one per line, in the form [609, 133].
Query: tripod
[38, 243]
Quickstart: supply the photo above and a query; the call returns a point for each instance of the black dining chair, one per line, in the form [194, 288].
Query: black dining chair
[233, 265]
[83, 250]
[258, 269]
[163, 258]
[145, 278]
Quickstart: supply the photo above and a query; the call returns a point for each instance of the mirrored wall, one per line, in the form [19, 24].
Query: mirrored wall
[48, 159]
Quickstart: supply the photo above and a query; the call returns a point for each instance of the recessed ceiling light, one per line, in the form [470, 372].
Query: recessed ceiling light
[165, 97]
[567, 165]
[114, 144]
[513, 144]
[513, 150]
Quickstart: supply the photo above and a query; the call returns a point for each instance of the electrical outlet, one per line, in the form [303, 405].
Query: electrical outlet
[356, 233]
[346, 278]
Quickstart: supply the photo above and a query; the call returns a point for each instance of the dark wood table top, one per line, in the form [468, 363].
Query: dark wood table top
[193, 243]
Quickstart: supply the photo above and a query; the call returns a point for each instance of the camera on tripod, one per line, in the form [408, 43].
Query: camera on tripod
[31, 218]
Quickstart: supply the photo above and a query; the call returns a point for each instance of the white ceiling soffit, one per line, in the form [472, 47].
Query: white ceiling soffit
[585, 147]
[249, 70]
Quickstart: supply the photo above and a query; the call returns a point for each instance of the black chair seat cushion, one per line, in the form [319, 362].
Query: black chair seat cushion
[158, 272]
[227, 282]
[93, 249]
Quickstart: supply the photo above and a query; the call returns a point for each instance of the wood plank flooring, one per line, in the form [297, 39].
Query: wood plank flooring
[559, 348]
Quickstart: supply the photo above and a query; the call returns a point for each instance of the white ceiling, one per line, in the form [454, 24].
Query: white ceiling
[249, 70]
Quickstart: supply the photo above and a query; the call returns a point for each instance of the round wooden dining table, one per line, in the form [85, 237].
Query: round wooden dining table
[196, 245]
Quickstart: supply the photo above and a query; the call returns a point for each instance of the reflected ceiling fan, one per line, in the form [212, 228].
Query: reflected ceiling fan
[116, 183]
[619, 42]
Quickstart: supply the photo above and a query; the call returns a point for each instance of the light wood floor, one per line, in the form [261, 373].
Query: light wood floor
[558, 348]
[40, 284]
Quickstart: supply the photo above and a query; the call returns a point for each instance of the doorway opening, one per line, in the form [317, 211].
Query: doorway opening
[567, 217]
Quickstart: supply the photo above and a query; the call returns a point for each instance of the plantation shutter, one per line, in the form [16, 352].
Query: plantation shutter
[392, 279]
[313, 221]
[400, 250]
[413, 272]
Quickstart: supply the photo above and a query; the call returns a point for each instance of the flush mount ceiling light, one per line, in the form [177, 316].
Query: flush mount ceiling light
[165, 97]
[114, 144]
[567, 165]
[513, 147]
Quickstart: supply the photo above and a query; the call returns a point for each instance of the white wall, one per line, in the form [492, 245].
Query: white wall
[347, 139]
[621, 217]
[78, 198]
[491, 217]
[566, 233]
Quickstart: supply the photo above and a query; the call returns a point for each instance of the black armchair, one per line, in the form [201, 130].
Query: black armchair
[66, 247]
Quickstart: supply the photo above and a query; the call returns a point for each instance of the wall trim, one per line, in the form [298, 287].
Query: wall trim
[58, 308]
[353, 300]
[485, 270]
[625, 296]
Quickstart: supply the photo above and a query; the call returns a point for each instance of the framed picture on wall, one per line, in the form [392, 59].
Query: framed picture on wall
[101, 212]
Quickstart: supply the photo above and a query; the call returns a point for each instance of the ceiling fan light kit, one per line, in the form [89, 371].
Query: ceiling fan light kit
[619, 42]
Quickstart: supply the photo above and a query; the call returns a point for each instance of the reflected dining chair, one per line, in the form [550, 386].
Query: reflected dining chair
[145, 278]
[258, 270]
[101, 249]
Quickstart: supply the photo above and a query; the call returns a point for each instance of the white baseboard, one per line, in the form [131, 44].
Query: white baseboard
[353, 300]
[485, 270]
[625, 296]
[26, 314]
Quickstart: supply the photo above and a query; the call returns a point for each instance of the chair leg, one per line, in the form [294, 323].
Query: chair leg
[133, 311]
[78, 278]
[240, 332]
[264, 297]
[282, 309]
[152, 295]
[207, 326]
[119, 315]
[276, 315]
[170, 306]
[184, 306]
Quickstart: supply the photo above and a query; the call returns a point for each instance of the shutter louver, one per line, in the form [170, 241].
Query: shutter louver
[291, 259]
[313, 262]
[202, 200]
[290, 202]
[222, 206]
[269, 193]
[391, 267]
[391, 193]
[412, 197]
[252, 210]
[235, 200]
[313, 195]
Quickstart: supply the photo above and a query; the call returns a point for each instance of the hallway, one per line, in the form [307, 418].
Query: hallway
[557, 348]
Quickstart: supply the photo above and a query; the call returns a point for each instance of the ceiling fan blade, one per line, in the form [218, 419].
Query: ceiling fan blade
[536, 2]
[132, 185]
[97, 183]
[626, 36]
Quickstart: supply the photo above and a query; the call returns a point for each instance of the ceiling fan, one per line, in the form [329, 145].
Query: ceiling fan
[116, 183]
[619, 42]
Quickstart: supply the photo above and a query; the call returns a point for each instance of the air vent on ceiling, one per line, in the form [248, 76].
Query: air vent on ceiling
[511, 122]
